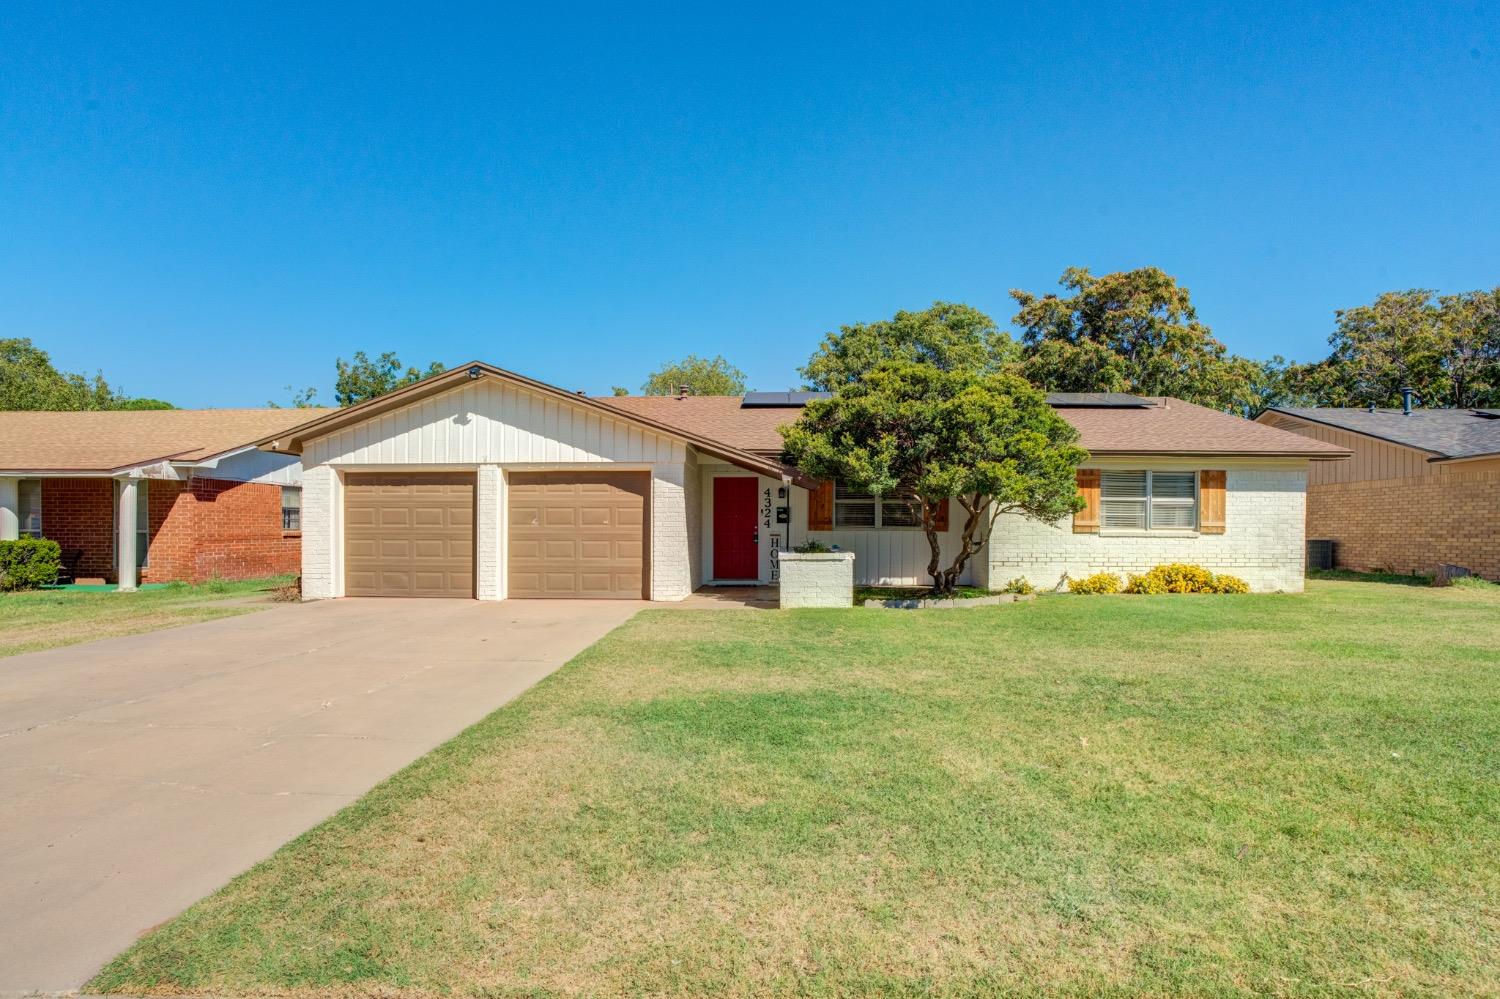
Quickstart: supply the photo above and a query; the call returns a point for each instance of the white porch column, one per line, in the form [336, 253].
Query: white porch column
[10, 508]
[125, 514]
[489, 533]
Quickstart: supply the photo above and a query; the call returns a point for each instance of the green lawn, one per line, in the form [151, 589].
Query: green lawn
[1102, 796]
[45, 619]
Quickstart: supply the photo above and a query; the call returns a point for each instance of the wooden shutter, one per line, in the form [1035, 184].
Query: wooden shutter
[820, 507]
[942, 516]
[1086, 521]
[1211, 501]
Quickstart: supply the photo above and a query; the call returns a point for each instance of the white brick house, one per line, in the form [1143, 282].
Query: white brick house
[483, 484]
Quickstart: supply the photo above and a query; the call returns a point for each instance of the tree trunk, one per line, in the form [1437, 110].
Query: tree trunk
[975, 533]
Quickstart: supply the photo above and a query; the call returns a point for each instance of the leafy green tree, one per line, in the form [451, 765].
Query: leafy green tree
[28, 380]
[1130, 331]
[143, 403]
[924, 435]
[1445, 347]
[300, 399]
[619, 390]
[950, 336]
[360, 379]
[701, 375]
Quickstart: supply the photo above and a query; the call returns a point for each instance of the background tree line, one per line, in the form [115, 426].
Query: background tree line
[1129, 331]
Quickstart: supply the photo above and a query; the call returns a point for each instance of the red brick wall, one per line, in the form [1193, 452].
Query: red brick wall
[239, 532]
[79, 513]
[200, 530]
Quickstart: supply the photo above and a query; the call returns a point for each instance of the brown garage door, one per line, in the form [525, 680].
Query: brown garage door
[409, 535]
[578, 534]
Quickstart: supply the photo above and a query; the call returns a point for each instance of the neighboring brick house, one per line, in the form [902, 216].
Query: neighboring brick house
[481, 483]
[204, 502]
[1422, 487]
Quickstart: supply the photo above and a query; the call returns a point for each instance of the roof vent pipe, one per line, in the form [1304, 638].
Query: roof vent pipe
[682, 391]
[1406, 396]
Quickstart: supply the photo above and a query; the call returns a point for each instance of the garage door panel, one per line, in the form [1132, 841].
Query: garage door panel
[409, 535]
[577, 534]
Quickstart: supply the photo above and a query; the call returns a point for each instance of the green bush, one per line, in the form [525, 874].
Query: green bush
[28, 563]
[1019, 585]
[1181, 577]
[812, 546]
[1099, 582]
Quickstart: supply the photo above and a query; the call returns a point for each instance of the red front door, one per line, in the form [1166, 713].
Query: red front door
[736, 555]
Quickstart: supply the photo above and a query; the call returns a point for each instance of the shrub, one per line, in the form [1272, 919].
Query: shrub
[1181, 577]
[1099, 582]
[812, 547]
[1019, 585]
[27, 563]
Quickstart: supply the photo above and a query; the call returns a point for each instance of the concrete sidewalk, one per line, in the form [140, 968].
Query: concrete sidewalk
[138, 774]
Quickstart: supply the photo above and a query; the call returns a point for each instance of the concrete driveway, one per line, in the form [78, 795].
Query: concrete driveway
[139, 774]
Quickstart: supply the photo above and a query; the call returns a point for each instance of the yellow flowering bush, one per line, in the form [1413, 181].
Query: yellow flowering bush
[1099, 582]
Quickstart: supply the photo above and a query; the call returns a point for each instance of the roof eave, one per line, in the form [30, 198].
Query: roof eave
[1339, 455]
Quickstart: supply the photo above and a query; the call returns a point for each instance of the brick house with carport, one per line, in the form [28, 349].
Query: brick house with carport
[203, 501]
[1422, 486]
[482, 483]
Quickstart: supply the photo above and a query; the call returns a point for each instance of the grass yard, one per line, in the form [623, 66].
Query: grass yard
[45, 619]
[1102, 796]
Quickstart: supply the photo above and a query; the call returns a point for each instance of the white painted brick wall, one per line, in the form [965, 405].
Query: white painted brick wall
[1265, 517]
[817, 580]
[671, 571]
[692, 497]
[488, 492]
[320, 522]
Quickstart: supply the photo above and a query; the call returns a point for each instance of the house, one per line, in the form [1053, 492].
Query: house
[200, 499]
[1422, 487]
[483, 483]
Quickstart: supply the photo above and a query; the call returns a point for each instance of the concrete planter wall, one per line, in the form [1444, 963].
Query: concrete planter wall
[958, 603]
[822, 579]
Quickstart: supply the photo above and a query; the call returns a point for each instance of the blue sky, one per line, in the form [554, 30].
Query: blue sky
[211, 204]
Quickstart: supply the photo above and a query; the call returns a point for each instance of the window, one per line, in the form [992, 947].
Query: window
[30, 511]
[291, 508]
[1148, 501]
[852, 508]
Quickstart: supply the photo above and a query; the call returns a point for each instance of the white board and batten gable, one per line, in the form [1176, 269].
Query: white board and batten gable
[493, 425]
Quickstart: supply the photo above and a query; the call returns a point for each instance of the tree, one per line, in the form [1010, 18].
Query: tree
[1445, 347]
[619, 390]
[701, 375]
[360, 379]
[1131, 331]
[143, 403]
[922, 435]
[950, 336]
[300, 399]
[28, 380]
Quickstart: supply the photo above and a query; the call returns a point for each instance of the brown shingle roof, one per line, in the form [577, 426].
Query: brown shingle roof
[106, 441]
[717, 416]
[1171, 426]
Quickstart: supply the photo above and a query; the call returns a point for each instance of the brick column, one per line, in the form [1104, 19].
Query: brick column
[10, 508]
[125, 518]
[671, 573]
[489, 533]
[322, 533]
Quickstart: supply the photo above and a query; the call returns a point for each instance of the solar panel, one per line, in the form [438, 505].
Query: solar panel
[1097, 400]
[754, 400]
